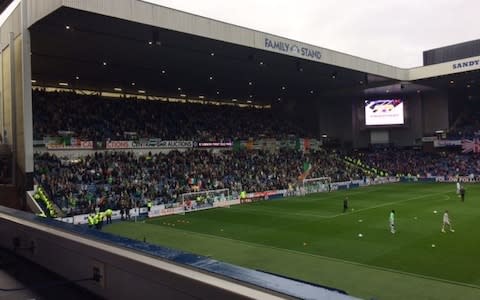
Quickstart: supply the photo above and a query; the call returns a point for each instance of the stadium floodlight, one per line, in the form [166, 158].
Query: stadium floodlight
[452, 81]
[77, 77]
[201, 97]
[250, 83]
[212, 54]
[67, 27]
[34, 81]
[141, 91]
[163, 71]
[183, 95]
[249, 101]
[133, 83]
[211, 77]
[104, 63]
[117, 89]
[234, 100]
[63, 83]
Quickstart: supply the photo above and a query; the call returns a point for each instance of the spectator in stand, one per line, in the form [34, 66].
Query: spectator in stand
[112, 119]
[116, 179]
[445, 164]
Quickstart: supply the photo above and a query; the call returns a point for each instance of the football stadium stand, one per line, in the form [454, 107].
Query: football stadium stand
[123, 179]
[123, 104]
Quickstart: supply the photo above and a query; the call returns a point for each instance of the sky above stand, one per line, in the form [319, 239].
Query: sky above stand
[394, 32]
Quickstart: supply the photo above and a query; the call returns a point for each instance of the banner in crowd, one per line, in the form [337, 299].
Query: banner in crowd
[67, 142]
[471, 146]
[215, 144]
[39, 143]
[119, 145]
[446, 143]
[148, 143]
[63, 143]
[274, 144]
[427, 139]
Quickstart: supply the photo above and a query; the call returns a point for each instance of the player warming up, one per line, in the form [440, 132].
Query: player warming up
[446, 222]
[462, 193]
[391, 221]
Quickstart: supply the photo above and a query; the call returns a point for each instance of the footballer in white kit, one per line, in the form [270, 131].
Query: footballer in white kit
[446, 222]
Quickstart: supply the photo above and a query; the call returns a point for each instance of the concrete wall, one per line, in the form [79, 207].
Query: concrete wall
[15, 93]
[407, 136]
[335, 118]
[136, 270]
[6, 93]
[127, 274]
[435, 111]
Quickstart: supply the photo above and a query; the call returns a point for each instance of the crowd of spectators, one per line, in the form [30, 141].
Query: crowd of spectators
[419, 163]
[117, 179]
[99, 118]
[467, 123]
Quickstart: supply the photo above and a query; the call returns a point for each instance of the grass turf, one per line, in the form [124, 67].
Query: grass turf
[311, 239]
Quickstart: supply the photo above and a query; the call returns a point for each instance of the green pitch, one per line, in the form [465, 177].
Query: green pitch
[311, 239]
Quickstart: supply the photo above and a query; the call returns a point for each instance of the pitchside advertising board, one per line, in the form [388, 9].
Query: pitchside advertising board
[384, 112]
[162, 210]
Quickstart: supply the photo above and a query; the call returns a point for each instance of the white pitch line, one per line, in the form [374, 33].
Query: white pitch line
[274, 212]
[255, 245]
[386, 204]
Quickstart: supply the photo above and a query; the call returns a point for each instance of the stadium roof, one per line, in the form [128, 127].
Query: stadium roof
[4, 4]
[137, 46]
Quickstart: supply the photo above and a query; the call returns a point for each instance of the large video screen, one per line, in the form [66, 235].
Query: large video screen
[384, 112]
